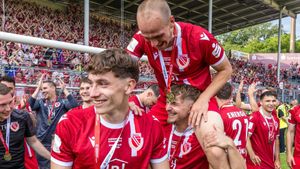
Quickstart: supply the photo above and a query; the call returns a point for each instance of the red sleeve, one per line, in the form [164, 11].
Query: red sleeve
[136, 45]
[293, 111]
[213, 51]
[252, 122]
[62, 153]
[159, 152]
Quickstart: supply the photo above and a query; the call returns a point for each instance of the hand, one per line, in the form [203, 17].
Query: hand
[240, 89]
[290, 160]
[252, 89]
[62, 84]
[277, 164]
[255, 159]
[136, 109]
[217, 138]
[198, 110]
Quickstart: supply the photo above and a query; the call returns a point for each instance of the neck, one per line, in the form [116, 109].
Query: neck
[52, 99]
[181, 127]
[86, 104]
[266, 113]
[222, 102]
[116, 116]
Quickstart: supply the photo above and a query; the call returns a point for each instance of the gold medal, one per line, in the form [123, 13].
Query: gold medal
[170, 97]
[7, 156]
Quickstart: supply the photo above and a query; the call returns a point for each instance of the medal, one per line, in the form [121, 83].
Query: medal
[170, 97]
[49, 121]
[7, 156]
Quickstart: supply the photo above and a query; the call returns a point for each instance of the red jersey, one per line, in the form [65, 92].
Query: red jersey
[186, 152]
[195, 50]
[295, 120]
[141, 141]
[137, 101]
[264, 131]
[236, 126]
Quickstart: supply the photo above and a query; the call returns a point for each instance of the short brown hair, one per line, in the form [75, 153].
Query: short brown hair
[186, 91]
[116, 60]
[225, 92]
[4, 90]
[85, 80]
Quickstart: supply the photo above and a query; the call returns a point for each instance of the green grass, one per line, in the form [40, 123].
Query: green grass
[283, 161]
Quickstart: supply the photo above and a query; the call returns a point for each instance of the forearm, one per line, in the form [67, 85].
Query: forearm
[249, 148]
[238, 100]
[66, 92]
[38, 147]
[277, 150]
[252, 101]
[289, 141]
[236, 161]
[35, 93]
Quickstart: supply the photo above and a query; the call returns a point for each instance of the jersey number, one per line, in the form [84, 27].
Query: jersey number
[237, 125]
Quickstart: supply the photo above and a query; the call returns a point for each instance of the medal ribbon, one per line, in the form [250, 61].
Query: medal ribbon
[97, 143]
[168, 76]
[51, 111]
[6, 142]
[270, 133]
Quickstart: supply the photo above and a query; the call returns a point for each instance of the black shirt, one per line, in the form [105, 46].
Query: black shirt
[20, 127]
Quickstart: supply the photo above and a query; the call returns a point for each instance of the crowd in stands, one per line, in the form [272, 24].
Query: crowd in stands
[26, 62]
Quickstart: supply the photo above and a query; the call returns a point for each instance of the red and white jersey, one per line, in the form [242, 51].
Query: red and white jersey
[137, 101]
[141, 142]
[235, 126]
[295, 120]
[186, 152]
[196, 50]
[264, 131]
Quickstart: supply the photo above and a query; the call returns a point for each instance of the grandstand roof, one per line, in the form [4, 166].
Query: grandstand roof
[228, 15]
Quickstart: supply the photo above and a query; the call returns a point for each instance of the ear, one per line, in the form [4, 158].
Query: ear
[149, 93]
[131, 83]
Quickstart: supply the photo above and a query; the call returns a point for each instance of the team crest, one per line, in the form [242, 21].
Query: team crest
[136, 141]
[185, 148]
[57, 104]
[14, 126]
[183, 61]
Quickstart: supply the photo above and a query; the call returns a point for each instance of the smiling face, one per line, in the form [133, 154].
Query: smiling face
[109, 93]
[178, 110]
[84, 91]
[6, 106]
[268, 103]
[48, 91]
[156, 30]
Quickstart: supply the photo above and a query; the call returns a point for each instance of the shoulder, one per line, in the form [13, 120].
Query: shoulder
[76, 117]
[197, 32]
[20, 114]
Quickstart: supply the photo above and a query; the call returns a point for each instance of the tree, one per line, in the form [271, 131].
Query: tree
[261, 38]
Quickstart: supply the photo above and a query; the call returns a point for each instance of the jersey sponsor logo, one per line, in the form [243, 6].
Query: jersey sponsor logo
[14, 126]
[185, 148]
[136, 141]
[57, 104]
[183, 61]
[216, 50]
[132, 45]
[92, 140]
[203, 36]
[57, 144]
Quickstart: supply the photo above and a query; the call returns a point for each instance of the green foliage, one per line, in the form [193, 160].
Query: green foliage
[261, 38]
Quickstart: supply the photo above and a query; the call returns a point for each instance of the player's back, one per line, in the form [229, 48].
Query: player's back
[235, 126]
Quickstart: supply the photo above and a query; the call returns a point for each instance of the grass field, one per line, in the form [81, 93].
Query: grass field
[283, 161]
